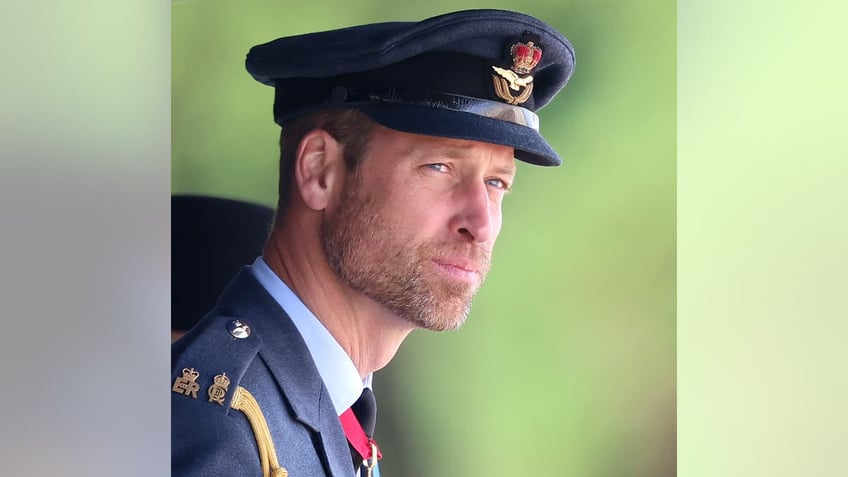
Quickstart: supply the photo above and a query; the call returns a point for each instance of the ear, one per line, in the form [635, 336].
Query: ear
[319, 169]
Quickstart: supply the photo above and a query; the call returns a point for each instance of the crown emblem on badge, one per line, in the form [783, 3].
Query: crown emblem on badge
[187, 383]
[526, 55]
[218, 390]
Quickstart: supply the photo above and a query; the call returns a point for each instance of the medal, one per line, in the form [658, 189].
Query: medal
[373, 460]
[364, 445]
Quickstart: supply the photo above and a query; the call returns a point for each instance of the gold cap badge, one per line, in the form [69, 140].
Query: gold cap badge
[525, 57]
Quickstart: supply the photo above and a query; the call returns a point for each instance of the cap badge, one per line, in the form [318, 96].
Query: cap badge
[525, 57]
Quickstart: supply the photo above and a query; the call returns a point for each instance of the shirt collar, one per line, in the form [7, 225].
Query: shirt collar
[334, 365]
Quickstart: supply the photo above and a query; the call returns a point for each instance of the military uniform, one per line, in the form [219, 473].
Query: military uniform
[252, 342]
[253, 402]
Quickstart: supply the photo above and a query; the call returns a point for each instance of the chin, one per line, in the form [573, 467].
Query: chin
[440, 321]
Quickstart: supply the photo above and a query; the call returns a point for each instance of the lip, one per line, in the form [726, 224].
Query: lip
[459, 268]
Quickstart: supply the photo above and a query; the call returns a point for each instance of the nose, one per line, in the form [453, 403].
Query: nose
[476, 217]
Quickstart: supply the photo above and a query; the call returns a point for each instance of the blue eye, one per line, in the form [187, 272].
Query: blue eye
[497, 183]
[438, 167]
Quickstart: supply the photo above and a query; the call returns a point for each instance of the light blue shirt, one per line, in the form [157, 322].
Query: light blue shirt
[334, 365]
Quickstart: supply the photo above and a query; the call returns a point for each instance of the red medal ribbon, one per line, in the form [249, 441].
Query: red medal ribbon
[356, 435]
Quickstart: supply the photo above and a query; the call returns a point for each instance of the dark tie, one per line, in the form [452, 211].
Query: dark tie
[365, 409]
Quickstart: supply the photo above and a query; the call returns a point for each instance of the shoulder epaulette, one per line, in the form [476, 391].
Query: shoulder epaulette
[210, 369]
[214, 360]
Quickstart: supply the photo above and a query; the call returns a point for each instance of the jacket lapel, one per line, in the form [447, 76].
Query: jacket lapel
[286, 355]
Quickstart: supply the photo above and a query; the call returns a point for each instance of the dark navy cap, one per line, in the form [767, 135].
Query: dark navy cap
[476, 74]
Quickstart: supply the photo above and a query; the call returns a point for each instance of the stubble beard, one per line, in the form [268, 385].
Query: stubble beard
[368, 255]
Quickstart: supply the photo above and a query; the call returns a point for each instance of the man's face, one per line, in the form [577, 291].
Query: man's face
[415, 228]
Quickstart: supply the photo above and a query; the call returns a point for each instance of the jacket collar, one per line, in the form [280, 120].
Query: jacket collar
[289, 361]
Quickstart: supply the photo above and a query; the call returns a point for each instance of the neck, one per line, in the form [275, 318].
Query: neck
[368, 332]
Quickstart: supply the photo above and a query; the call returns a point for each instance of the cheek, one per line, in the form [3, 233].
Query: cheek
[404, 214]
[421, 216]
[415, 203]
[496, 216]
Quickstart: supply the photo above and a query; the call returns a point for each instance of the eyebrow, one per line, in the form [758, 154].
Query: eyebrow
[453, 151]
[510, 170]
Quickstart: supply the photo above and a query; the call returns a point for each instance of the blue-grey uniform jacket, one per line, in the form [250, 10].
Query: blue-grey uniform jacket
[216, 369]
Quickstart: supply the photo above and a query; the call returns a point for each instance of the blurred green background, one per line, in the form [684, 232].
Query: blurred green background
[567, 363]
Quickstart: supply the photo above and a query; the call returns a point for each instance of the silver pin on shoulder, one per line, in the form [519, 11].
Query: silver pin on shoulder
[238, 329]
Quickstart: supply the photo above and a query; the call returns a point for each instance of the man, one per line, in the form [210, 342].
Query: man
[397, 148]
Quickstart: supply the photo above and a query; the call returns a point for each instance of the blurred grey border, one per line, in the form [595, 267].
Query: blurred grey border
[84, 238]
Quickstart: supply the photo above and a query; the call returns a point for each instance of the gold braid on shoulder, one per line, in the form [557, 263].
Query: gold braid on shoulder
[245, 402]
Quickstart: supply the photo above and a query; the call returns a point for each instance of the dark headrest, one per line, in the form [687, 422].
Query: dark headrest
[211, 239]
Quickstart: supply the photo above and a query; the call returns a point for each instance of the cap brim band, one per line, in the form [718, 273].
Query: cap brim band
[466, 104]
[529, 145]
